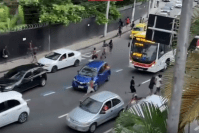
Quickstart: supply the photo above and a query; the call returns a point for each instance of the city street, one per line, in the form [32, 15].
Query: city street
[49, 105]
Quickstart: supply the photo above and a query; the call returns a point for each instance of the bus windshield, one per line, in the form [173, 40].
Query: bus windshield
[144, 52]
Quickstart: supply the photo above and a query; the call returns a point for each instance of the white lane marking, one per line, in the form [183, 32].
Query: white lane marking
[62, 115]
[145, 81]
[83, 58]
[197, 128]
[49, 94]
[68, 87]
[85, 55]
[119, 70]
[90, 60]
[27, 100]
[108, 130]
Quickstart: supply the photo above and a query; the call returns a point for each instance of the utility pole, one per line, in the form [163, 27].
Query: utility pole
[107, 12]
[133, 12]
[179, 69]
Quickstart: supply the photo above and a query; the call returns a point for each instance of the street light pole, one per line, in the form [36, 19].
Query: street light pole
[107, 12]
[179, 70]
[133, 12]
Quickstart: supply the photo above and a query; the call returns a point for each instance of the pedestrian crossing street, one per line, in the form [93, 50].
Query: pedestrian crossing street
[88, 55]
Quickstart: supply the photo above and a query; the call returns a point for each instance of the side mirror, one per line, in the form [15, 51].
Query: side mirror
[102, 112]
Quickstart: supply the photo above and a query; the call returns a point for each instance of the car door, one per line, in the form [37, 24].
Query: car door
[116, 103]
[63, 61]
[105, 115]
[14, 109]
[37, 76]
[102, 75]
[3, 115]
[26, 82]
[71, 58]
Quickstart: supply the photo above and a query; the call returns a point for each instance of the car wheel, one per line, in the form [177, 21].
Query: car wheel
[54, 69]
[92, 128]
[23, 117]
[76, 63]
[96, 87]
[43, 82]
[108, 78]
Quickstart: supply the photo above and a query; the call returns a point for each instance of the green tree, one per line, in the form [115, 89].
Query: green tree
[143, 118]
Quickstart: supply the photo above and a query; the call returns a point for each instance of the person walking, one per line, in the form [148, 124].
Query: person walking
[120, 31]
[110, 46]
[127, 21]
[158, 1]
[151, 84]
[132, 25]
[140, 19]
[132, 86]
[94, 56]
[103, 54]
[90, 88]
[121, 23]
[5, 53]
[158, 83]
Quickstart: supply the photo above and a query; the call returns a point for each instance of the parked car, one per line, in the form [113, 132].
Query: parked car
[23, 77]
[166, 0]
[138, 28]
[13, 108]
[59, 59]
[178, 4]
[195, 0]
[171, 5]
[98, 70]
[165, 14]
[92, 112]
[166, 9]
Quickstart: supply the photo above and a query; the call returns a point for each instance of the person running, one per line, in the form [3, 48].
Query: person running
[110, 45]
[158, 84]
[127, 21]
[132, 25]
[103, 54]
[151, 84]
[132, 86]
[94, 56]
[90, 88]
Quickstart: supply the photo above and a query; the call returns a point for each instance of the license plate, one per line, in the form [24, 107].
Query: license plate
[140, 69]
[80, 87]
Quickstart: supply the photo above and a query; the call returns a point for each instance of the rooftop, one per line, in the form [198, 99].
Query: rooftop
[4, 96]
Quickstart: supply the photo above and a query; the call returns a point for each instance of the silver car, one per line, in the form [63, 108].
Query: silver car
[166, 9]
[94, 111]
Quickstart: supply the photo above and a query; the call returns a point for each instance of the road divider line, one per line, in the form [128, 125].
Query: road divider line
[62, 116]
[119, 70]
[83, 58]
[68, 87]
[145, 81]
[108, 130]
[27, 100]
[90, 60]
[197, 128]
[86, 56]
[48, 94]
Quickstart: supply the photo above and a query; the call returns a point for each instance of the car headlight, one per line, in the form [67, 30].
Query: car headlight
[9, 87]
[86, 124]
[47, 65]
[74, 79]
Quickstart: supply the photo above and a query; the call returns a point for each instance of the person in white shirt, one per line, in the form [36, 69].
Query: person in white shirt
[158, 83]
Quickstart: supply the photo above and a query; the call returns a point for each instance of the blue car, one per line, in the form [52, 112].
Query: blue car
[98, 70]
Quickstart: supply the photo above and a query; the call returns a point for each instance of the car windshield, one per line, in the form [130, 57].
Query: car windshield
[165, 8]
[88, 71]
[137, 29]
[53, 56]
[16, 75]
[144, 52]
[90, 105]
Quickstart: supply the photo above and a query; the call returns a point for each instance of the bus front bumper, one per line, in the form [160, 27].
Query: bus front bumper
[150, 69]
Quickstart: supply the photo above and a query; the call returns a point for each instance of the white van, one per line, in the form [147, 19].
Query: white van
[13, 108]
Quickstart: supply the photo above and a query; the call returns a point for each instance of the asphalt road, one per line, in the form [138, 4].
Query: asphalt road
[49, 104]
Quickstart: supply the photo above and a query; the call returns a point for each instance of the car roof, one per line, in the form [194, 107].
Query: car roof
[5, 96]
[140, 25]
[24, 67]
[96, 64]
[62, 51]
[103, 96]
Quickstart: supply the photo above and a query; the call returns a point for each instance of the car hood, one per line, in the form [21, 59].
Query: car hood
[5, 81]
[45, 61]
[83, 79]
[80, 115]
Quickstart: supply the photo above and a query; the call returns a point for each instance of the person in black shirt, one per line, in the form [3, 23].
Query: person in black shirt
[110, 45]
[132, 85]
[151, 84]
[132, 25]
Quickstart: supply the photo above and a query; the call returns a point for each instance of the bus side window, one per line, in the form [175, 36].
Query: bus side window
[167, 48]
[161, 51]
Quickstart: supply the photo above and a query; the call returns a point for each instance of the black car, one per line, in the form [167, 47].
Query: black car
[23, 77]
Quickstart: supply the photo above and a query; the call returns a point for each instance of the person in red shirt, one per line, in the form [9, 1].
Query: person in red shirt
[127, 21]
[105, 108]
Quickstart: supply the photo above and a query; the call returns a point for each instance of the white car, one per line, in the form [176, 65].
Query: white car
[59, 59]
[178, 4]
[165, 14]
[13, 108]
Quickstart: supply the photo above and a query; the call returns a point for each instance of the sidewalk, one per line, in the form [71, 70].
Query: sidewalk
[77, 46]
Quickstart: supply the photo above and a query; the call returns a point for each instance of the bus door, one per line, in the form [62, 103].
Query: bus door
[161, 57]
